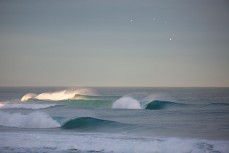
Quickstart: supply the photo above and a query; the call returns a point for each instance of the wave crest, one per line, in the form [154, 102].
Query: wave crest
[126, 103]
[55, 96]
[28, 96]
[58, 95]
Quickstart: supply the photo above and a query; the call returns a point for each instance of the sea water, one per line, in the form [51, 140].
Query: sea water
[114, 120]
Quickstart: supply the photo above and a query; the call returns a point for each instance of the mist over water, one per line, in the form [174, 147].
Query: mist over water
[58, 95]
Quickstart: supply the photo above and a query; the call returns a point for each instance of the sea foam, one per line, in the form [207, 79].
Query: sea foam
[126, 103]
[28, 96]
[32, 120]
[67, 142]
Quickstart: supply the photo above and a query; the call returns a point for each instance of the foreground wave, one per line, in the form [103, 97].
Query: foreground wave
[43, 120]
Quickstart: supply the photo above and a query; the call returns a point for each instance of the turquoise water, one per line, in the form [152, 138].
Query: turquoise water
[161, 120]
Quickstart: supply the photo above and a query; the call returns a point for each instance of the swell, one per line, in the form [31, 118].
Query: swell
[219, 104]
[89, 123]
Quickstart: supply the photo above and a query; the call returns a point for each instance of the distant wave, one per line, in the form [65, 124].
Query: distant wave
[86, 98]
[158, 104]
[131, 103]
[8, 105]
[28, 96]
[32, 120]
[88, 122]
[58, 95]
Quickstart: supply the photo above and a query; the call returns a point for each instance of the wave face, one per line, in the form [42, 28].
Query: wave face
[87, 122]
[88, 103]
[32, 120]
[158, 104]
[126, 103]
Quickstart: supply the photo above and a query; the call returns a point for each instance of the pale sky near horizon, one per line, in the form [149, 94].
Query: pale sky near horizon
[114, 43]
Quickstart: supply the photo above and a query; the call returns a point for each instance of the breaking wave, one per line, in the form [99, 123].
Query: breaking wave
[28, 96]
[58, 95]
[126, 103]
[43, 120]
[131, 103]
[88, 99]
[32, 120]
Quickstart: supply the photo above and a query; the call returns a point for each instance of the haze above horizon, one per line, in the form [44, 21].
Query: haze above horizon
[158, 43]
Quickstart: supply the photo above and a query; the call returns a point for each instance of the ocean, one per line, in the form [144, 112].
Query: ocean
[114, 120]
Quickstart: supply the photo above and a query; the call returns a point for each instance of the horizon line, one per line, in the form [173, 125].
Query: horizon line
[32, 86]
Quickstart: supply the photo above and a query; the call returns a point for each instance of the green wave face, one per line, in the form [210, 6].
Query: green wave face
[88, 103]
[88, 122]
[157, 104]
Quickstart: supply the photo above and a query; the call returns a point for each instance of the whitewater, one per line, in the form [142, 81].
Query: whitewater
[105, 120]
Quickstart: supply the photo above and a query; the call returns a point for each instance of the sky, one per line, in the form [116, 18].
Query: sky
[148, 43]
